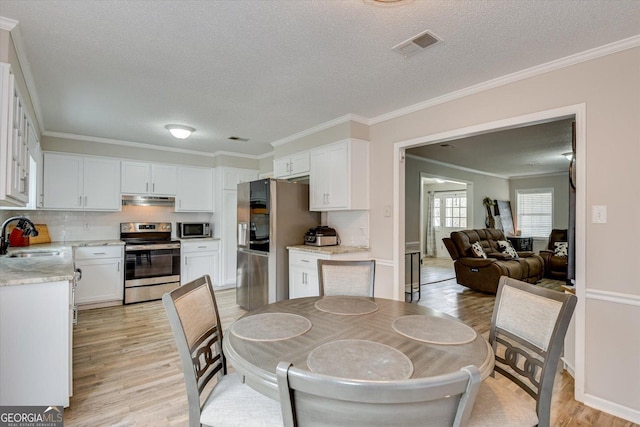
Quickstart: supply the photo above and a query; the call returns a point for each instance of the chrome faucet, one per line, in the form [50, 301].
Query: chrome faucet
[24, 224]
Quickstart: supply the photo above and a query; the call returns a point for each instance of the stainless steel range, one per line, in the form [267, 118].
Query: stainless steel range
[151, 259]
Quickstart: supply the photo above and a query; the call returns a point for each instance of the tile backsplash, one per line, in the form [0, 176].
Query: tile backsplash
[67, 226]
[352, 226]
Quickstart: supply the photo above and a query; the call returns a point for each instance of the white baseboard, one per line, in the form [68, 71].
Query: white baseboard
[568, 367]
[620, 411]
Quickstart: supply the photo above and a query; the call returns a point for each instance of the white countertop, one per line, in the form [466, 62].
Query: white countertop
[329, 250]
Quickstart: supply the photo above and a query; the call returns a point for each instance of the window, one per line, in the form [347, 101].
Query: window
[535, 212]
[455, 210]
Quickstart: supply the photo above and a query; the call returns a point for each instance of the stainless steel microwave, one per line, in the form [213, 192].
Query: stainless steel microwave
[192, 230]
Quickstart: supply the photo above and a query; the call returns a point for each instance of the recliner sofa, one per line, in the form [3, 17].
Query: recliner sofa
[483, 274]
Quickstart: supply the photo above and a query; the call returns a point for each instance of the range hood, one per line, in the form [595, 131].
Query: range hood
[148, 201]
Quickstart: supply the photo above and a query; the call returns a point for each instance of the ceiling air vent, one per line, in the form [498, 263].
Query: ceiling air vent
[416, 44]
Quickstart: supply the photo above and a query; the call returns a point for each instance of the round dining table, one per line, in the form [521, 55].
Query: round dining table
[351, 337]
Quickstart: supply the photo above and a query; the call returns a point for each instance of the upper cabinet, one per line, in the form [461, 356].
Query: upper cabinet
[81, 182]
[292, 166]
[231, 177]
[149, 178]
[16, 130]
[339, 176]
[195, 189]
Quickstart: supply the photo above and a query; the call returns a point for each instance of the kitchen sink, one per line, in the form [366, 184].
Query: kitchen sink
[34, 254]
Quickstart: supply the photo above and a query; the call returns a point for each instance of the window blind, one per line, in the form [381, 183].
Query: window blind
[535, 212]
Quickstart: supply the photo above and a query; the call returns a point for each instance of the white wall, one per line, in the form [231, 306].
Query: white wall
[609, 87]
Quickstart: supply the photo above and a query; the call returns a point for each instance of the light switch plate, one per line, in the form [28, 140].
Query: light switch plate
[599, 214]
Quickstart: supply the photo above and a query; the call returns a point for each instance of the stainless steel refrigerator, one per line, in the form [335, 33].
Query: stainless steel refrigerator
[272, 214]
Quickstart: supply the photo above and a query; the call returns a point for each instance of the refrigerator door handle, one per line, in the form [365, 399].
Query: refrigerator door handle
[242, 234]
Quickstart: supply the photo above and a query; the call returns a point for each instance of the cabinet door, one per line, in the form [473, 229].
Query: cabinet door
[135, 178]
[303, 282]
[299, 164]
[228, 236]
[318, 180]
[198, 264]
[281, 167]
[338, 176]
[102, 280]
[63, 181]
[101, 184]
[195, 190]
[164, 180]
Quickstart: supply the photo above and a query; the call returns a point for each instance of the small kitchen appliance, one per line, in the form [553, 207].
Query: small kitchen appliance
[193, 230]
[151, 259]
[321, 235]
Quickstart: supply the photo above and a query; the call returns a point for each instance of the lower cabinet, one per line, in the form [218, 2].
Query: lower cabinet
[303, 270]
[36, 344]
[102, 271]
[200, 257]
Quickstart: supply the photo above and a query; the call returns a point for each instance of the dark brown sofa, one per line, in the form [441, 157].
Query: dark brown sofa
[555, 267]
[483, 274]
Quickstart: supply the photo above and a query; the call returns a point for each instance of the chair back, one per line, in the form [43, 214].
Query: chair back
[557, 235]
[527, 334]
[195, 323]
[352, 278]
[309, 398]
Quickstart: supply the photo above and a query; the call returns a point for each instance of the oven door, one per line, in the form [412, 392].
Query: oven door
[150, 272]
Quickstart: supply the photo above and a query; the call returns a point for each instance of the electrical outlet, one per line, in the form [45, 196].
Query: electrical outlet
[362, 231]
[87, 226]
[387, 210]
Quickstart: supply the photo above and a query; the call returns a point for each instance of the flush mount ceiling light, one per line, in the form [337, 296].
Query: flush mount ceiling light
[180, 131]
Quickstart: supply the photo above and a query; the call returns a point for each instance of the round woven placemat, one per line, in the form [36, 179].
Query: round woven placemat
[270, 327]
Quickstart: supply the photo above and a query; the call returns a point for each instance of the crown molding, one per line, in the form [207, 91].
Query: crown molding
[322, 126]
[567, 61]
[148, 146]
[7, 24]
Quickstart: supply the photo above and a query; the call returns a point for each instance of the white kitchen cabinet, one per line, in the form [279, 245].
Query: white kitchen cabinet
[16, 129]
[200, 257]
[303, 270]
[303, 274]
[231, 177]
[81, 182]
[149, 178]
[36, 344]
[195, 189]
[339, 176]
[228, 238]
[292, 166]
[102, 272]
[226, 219]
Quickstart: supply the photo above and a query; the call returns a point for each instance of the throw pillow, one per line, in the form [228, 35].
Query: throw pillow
[561, 249]
[505, 246]
[477, 250]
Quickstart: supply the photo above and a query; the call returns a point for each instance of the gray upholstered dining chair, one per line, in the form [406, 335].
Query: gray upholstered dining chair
[309, 398]
[527, 334]
[195, 322]
[352, 278]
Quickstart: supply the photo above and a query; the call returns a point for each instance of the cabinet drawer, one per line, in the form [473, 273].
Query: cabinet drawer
[94, 252]
[306, 259]
[202, 246]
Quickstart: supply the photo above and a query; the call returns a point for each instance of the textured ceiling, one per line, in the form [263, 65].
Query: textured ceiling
[265, 70]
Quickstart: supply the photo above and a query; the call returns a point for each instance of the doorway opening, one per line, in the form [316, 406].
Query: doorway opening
[446, 206]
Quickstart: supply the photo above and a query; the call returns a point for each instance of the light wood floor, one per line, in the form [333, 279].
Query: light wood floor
[127, 371]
